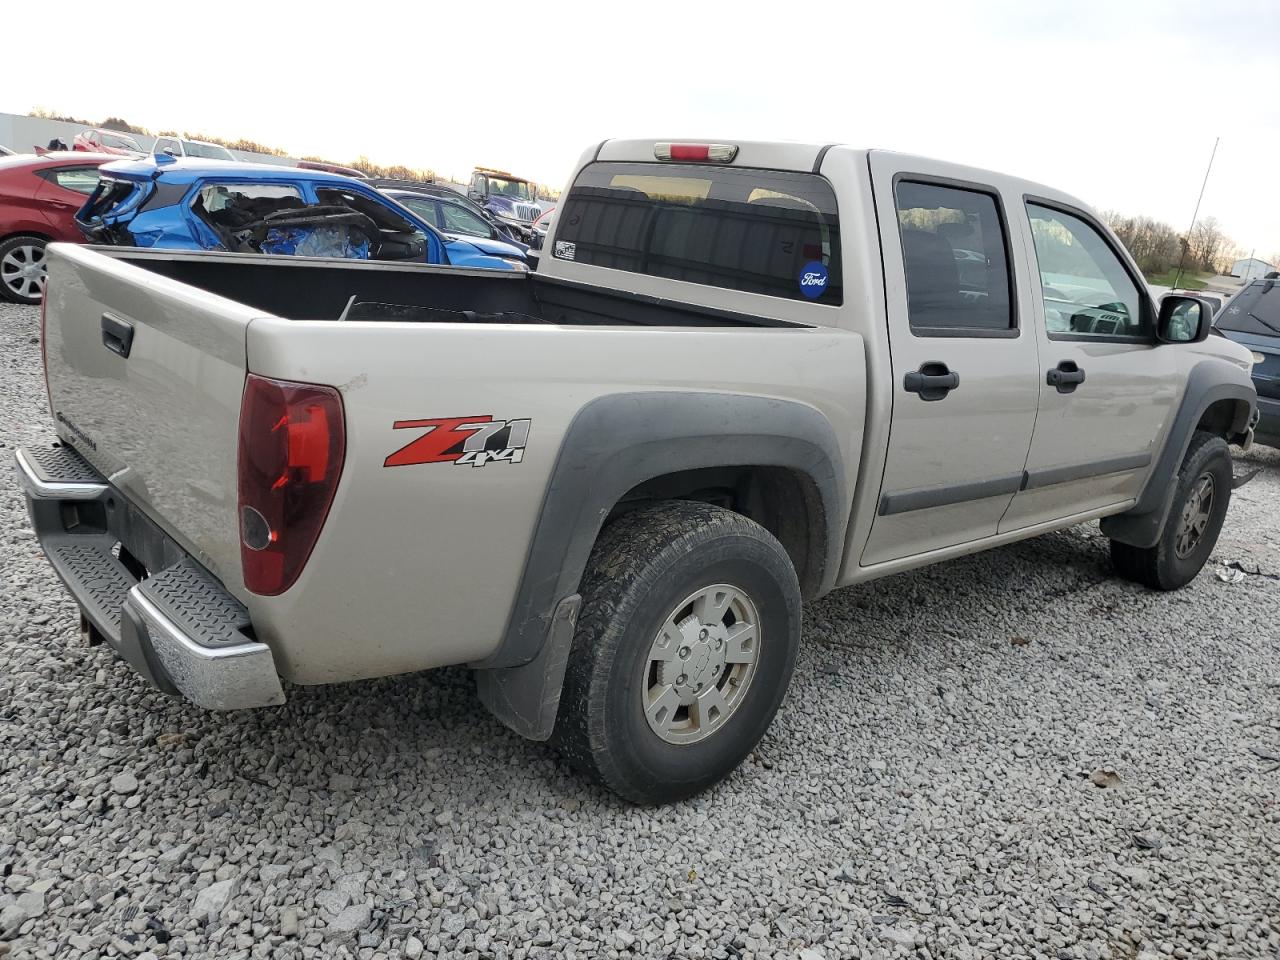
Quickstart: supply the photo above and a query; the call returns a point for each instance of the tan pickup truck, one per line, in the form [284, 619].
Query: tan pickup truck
[744, 374]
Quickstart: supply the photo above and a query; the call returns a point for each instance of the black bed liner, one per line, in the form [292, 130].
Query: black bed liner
[318, 289]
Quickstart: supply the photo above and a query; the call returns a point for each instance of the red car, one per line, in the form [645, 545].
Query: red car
[107, 141]
[39, 197]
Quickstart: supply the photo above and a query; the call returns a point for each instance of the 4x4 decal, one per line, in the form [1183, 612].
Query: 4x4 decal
[470, 441]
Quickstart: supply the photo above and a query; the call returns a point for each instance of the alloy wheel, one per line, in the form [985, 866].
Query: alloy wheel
[22, 271]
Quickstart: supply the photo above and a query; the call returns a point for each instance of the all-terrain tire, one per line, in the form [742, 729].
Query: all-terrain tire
[643, 565]
[1161, 567]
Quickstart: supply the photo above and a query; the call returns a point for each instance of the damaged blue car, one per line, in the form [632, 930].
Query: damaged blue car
[193, 204]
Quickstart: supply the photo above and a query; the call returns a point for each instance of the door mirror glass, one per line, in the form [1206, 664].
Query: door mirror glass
[1182, 320]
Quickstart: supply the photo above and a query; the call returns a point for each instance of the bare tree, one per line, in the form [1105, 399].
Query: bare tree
[1205, 244]
[1154, 245]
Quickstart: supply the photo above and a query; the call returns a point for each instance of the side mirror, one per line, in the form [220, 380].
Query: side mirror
[1183, 320]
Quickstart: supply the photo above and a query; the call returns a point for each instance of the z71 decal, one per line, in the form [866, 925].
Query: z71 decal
[466, 441]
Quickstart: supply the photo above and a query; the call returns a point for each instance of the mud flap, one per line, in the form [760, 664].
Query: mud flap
[526, 698]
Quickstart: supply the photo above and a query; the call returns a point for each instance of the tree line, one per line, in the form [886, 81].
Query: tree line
[1158, 248]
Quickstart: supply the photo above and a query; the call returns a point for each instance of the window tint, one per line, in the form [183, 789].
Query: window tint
[516, 189]
[1087, 291]
[459, 220]
[424, 207]
[126, 143]
[1255, 309]
[759, 231]
[208, 151]
[953, 247]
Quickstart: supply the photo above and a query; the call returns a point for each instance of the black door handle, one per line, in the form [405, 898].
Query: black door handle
[117, 335]
[1066, 376]
[932, 381]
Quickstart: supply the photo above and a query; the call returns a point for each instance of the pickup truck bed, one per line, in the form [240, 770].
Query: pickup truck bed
[301, 288]
[435, 551]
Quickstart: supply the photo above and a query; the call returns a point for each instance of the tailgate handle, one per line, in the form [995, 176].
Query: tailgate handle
[117, 335]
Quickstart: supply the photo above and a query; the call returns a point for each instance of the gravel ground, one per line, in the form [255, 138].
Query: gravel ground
[1011, 755]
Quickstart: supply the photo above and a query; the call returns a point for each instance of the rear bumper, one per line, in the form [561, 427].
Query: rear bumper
[153, 603]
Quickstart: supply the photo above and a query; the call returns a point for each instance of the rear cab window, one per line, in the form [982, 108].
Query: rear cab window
[759, 231]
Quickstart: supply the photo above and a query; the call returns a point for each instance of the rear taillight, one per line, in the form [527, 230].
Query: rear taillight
[696, 152]
[292, 444]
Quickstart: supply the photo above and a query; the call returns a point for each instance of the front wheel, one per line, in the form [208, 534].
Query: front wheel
[1195, 519]
[684, 647]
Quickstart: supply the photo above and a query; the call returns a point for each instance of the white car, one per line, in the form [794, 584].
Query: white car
[181, 147]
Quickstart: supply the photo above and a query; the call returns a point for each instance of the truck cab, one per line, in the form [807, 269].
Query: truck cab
[511, 200]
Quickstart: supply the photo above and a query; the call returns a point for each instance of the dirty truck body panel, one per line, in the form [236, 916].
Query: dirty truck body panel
[419, 563]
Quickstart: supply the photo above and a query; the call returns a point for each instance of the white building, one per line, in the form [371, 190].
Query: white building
[1251, 269]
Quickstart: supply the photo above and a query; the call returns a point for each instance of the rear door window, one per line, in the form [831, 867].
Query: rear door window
[956, 258]
[1255, 310]
[760, 231]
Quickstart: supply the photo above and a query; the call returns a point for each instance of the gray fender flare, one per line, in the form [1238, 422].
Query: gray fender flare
[1208, 382]
[613, 444]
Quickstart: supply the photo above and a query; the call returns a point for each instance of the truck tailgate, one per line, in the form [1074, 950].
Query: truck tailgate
[145, 380]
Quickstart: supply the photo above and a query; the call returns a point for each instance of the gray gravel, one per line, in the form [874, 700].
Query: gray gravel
[1012, 755]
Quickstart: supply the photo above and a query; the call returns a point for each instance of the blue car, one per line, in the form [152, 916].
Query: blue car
[1252, 319]
[196, 204]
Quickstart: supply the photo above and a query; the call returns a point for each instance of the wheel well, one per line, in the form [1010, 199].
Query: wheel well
[26, 233]
[1226, 418]
[785, 502]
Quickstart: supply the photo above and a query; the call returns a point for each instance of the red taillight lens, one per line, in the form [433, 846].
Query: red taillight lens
[696, 152]
[292, 444]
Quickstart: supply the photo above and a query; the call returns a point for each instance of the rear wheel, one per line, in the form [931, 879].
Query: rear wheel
[1195, 519]
[686, 642]
[22, 268]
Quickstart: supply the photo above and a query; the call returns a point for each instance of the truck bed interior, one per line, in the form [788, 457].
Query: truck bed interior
[354, 291]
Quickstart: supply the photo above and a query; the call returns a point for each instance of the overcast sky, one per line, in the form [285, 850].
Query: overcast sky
[1116, 101]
